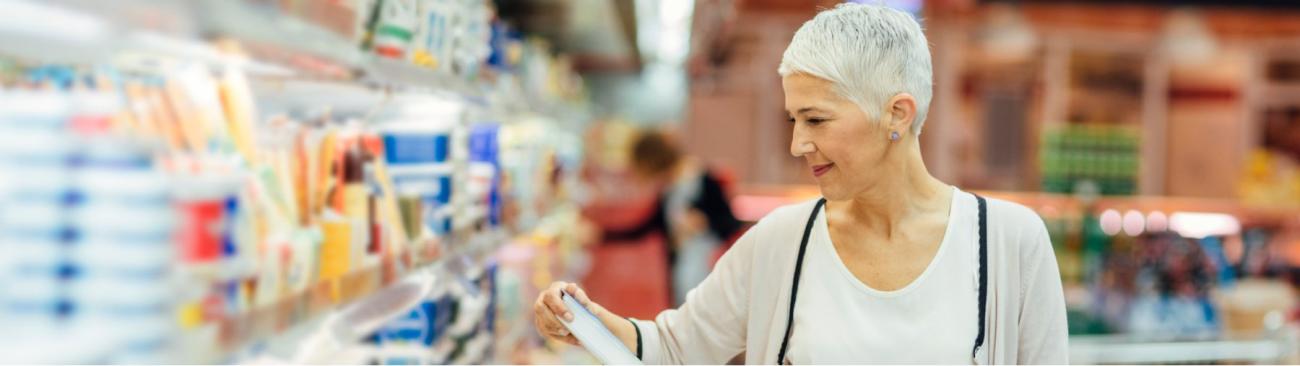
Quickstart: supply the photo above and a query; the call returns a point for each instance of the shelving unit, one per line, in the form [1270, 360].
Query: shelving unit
[303, 62]
[271, 335]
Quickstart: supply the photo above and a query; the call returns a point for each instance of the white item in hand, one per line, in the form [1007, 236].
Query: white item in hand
[595, 337]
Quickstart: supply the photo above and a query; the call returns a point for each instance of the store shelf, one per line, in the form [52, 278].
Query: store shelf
[292, 65]
[294, 326]
[267, 26]
[368, 298]
[295, 48]
[296, 316]
[386, 71]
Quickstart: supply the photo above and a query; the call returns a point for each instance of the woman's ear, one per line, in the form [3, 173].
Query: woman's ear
[902, 113]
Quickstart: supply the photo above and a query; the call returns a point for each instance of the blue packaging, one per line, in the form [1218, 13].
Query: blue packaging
[416, 148]
[485, 148]
[502, 39]
[418, 326]
[483, 144]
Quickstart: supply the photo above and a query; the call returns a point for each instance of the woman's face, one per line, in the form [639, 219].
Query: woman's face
[845, 151]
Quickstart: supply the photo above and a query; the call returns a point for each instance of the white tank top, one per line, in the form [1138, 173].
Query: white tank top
[840, 320]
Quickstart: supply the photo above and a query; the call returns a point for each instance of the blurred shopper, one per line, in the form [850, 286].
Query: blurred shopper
[628, 269]
[892, 266]
[694, 210]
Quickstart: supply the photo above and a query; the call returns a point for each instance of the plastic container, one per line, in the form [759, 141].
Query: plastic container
[142, 222]
[123, 295]
[136, 184]
[33, 292]
[36, 145]
[32, 253]
[416, 146]
[108, 257]
[27, 216]
[49, 182]
[35, 108]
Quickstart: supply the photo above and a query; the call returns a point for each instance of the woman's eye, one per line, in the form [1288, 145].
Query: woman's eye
[816, 120]
[790, 119]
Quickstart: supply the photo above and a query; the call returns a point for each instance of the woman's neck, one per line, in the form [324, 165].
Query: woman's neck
[908, 191]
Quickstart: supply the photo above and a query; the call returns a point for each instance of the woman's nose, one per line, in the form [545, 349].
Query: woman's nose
[800, 147]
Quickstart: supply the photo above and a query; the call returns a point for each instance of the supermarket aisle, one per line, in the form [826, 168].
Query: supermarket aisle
[393, 181]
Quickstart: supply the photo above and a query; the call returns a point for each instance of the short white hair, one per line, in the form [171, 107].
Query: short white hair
[870, 53]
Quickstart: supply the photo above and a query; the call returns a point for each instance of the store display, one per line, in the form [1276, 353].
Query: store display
[198, 212]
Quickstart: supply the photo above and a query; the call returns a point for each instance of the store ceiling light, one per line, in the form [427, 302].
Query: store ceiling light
[1157, 222]
[1134, 223]
[1200, 225]
[1111, 222]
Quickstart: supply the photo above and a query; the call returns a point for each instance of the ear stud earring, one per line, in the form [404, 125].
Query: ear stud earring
[893, 136]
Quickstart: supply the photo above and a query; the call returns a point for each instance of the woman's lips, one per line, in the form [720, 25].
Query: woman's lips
[819, 170]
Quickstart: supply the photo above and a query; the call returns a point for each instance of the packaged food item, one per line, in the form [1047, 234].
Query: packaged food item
[396, 25]
[336, 250]
[36, 144]
[432, 44]
[484, 173]
[418, 158]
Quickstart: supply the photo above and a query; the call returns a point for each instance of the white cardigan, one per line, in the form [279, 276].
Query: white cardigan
[741, 307]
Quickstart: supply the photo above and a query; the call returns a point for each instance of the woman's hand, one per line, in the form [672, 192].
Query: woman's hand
[549, 312]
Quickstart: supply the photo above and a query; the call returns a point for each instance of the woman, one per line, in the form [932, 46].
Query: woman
[892, 266]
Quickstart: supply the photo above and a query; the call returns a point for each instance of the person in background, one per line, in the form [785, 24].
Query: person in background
[694, 211]
[891, 266]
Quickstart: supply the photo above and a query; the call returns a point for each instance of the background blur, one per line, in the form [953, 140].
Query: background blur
[1156, 138]
[1159, 141]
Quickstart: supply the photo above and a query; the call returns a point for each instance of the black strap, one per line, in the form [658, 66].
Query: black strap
[984, 273]
[983, 289]
[794, 289]
[638, 338]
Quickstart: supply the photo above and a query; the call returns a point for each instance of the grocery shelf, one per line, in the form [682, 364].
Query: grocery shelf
[367, 298]
[267, 26]
[285, 328]
[294, 317]
[105, 30]
[293, 65]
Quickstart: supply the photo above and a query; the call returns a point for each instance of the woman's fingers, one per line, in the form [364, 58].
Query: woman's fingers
[550, 313]
[545, 318]
[551, 298]
[579, 294]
